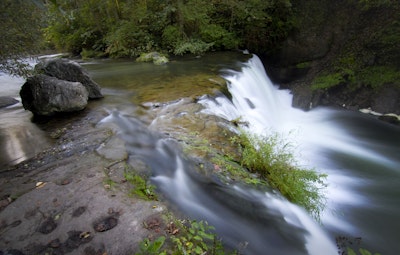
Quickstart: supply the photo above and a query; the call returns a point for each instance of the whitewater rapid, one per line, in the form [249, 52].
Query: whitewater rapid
[359, 154]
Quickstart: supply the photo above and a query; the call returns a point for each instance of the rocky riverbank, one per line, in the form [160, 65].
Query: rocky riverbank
[73, 197]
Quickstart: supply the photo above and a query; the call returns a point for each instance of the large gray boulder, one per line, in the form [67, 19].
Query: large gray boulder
[69, 70]
[44, 95]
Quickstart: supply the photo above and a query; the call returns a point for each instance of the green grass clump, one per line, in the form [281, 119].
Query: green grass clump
[141, 188]
[273, 159]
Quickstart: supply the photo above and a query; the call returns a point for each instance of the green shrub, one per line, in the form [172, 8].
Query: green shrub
[128, 40]
[220, 37]
[192, 46]
[171, 36]
[196, 238]
[148, 247]
[187, 237]
[273, 159]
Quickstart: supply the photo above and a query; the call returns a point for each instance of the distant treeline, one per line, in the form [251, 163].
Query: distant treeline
[126, 28]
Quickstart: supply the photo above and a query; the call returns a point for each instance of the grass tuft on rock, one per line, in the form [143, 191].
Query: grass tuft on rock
[272, 158]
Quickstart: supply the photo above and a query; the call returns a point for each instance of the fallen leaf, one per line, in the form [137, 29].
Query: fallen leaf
[84, 235]
[40, 185]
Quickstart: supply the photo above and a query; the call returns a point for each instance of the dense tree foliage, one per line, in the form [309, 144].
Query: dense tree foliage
[20, 25]
[128, 27]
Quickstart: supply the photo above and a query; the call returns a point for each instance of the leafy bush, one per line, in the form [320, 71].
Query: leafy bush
[127, 40]
[171, 36]
[188, 237]
[196, 238]
[220, 37]
[128, 28]
[192, 46]
[148, 247]
[273, 159]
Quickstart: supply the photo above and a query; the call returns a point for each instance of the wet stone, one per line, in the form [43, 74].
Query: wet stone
[105, 224]
[75, 239]
[37, 249]
[15, 223]
[12, 252]
[93, 251]
[4, 203]
[47, 226]
[56, 243]
[79, 211]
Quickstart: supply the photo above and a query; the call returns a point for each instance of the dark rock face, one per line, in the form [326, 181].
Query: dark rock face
[46, 96]
[334, 37]
[68, 70]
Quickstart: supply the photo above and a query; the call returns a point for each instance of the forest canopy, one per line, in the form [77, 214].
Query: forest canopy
[21, 25]
[126, 28]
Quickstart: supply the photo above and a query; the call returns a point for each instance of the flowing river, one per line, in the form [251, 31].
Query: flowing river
[359, 154]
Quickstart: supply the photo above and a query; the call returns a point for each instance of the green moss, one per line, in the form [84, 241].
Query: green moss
[141, 188]
[377, 76]
[155, 57]
[373, 77]
[303, 65]
[327, 81]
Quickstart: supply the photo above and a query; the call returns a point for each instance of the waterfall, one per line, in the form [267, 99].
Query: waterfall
[262, 222]
[359, 154]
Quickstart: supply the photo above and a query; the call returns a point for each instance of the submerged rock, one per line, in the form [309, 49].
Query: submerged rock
[7, 101]
[68, 70]
[44, 95]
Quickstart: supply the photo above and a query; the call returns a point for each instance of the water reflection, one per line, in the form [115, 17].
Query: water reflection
[20, 139]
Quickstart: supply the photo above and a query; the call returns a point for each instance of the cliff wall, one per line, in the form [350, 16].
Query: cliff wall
[344, 53]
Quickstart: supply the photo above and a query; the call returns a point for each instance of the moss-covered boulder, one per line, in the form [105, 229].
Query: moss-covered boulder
[155, 57]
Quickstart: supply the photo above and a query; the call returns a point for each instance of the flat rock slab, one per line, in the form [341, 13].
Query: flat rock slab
[58, 203]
